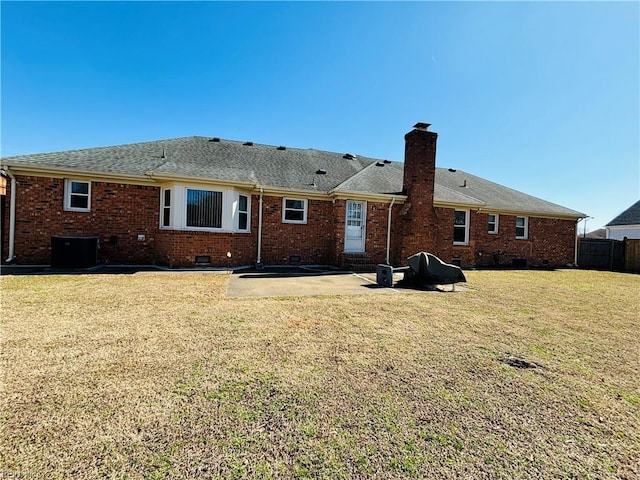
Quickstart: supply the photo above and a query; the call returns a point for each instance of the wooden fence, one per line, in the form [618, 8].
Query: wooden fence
[632, 255]
[601, 254]
[607, 254]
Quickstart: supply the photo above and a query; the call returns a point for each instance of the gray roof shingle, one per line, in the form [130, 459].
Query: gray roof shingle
[631, 216]
[498, 197]
[288, 169]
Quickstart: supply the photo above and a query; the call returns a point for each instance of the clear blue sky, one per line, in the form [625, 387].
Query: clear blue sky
[542, 97]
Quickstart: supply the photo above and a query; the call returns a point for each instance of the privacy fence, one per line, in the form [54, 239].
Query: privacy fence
[615, 255]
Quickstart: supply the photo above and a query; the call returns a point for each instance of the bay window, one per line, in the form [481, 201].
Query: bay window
[243, 212]
[166, 208]
[199, 207]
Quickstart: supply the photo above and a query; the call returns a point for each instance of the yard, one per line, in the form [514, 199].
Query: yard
[529, 374]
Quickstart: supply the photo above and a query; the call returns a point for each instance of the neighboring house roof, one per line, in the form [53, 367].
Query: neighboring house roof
[283, 168]
[599, 233]
[631, 216]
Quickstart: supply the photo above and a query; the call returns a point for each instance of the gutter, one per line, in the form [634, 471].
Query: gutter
[59, 172]
[393, 199]
[374, 197]
[575, 245]
[12, 217]
[167, 177]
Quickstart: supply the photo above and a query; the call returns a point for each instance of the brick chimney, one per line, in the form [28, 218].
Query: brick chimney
[420, 162]
[418, 221]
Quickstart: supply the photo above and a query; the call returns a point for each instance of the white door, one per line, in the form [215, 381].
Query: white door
[354, 233]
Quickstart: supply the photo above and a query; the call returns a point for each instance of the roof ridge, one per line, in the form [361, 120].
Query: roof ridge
[355, 175]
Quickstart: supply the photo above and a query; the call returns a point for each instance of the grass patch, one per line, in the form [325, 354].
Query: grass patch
[160, 375]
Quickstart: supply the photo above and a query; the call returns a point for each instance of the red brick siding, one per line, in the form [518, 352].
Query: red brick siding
[553, 240]
[312, 242]
[176, 248]
[549, 241]
[119, 213]
[339, 219]
[376, 243]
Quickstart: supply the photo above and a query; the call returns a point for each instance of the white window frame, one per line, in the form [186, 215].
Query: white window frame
[164, 207]
[495, 223]
[526, 228]
[467, 217]
[285, 210]
[68, 186]
[246, 212]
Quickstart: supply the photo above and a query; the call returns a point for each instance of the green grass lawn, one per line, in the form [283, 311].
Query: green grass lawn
[160, 375]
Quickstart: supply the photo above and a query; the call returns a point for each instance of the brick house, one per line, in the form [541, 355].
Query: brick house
[201, 201]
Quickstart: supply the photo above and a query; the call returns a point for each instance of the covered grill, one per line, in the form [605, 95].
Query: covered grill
[424, 270]
[427, 269]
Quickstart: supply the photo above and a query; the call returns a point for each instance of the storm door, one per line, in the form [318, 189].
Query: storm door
[354, 234]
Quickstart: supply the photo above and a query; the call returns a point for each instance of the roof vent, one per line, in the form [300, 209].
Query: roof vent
[321, 172]
[453, 170]
[282, 148]
[214, 139]
[379, 164]
[164, 155]
[349, 156]
[464, 184]
[386, 161]
[248, 144]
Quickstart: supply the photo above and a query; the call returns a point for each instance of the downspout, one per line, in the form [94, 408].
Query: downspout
[393, 199]
[12, 218]
[575, 247]
[259, 260]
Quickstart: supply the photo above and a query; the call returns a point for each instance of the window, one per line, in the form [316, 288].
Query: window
[166, 209]
[204, 208]
[461, 227]
[243, 212]
[522, 227]
[492, 226]
[77, 196]
[294, 211]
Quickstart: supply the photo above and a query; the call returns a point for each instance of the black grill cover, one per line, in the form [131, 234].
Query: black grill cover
[430, 270]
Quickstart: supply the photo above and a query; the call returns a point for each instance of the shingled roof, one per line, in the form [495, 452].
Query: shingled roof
[631, 216]
[285, 168]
